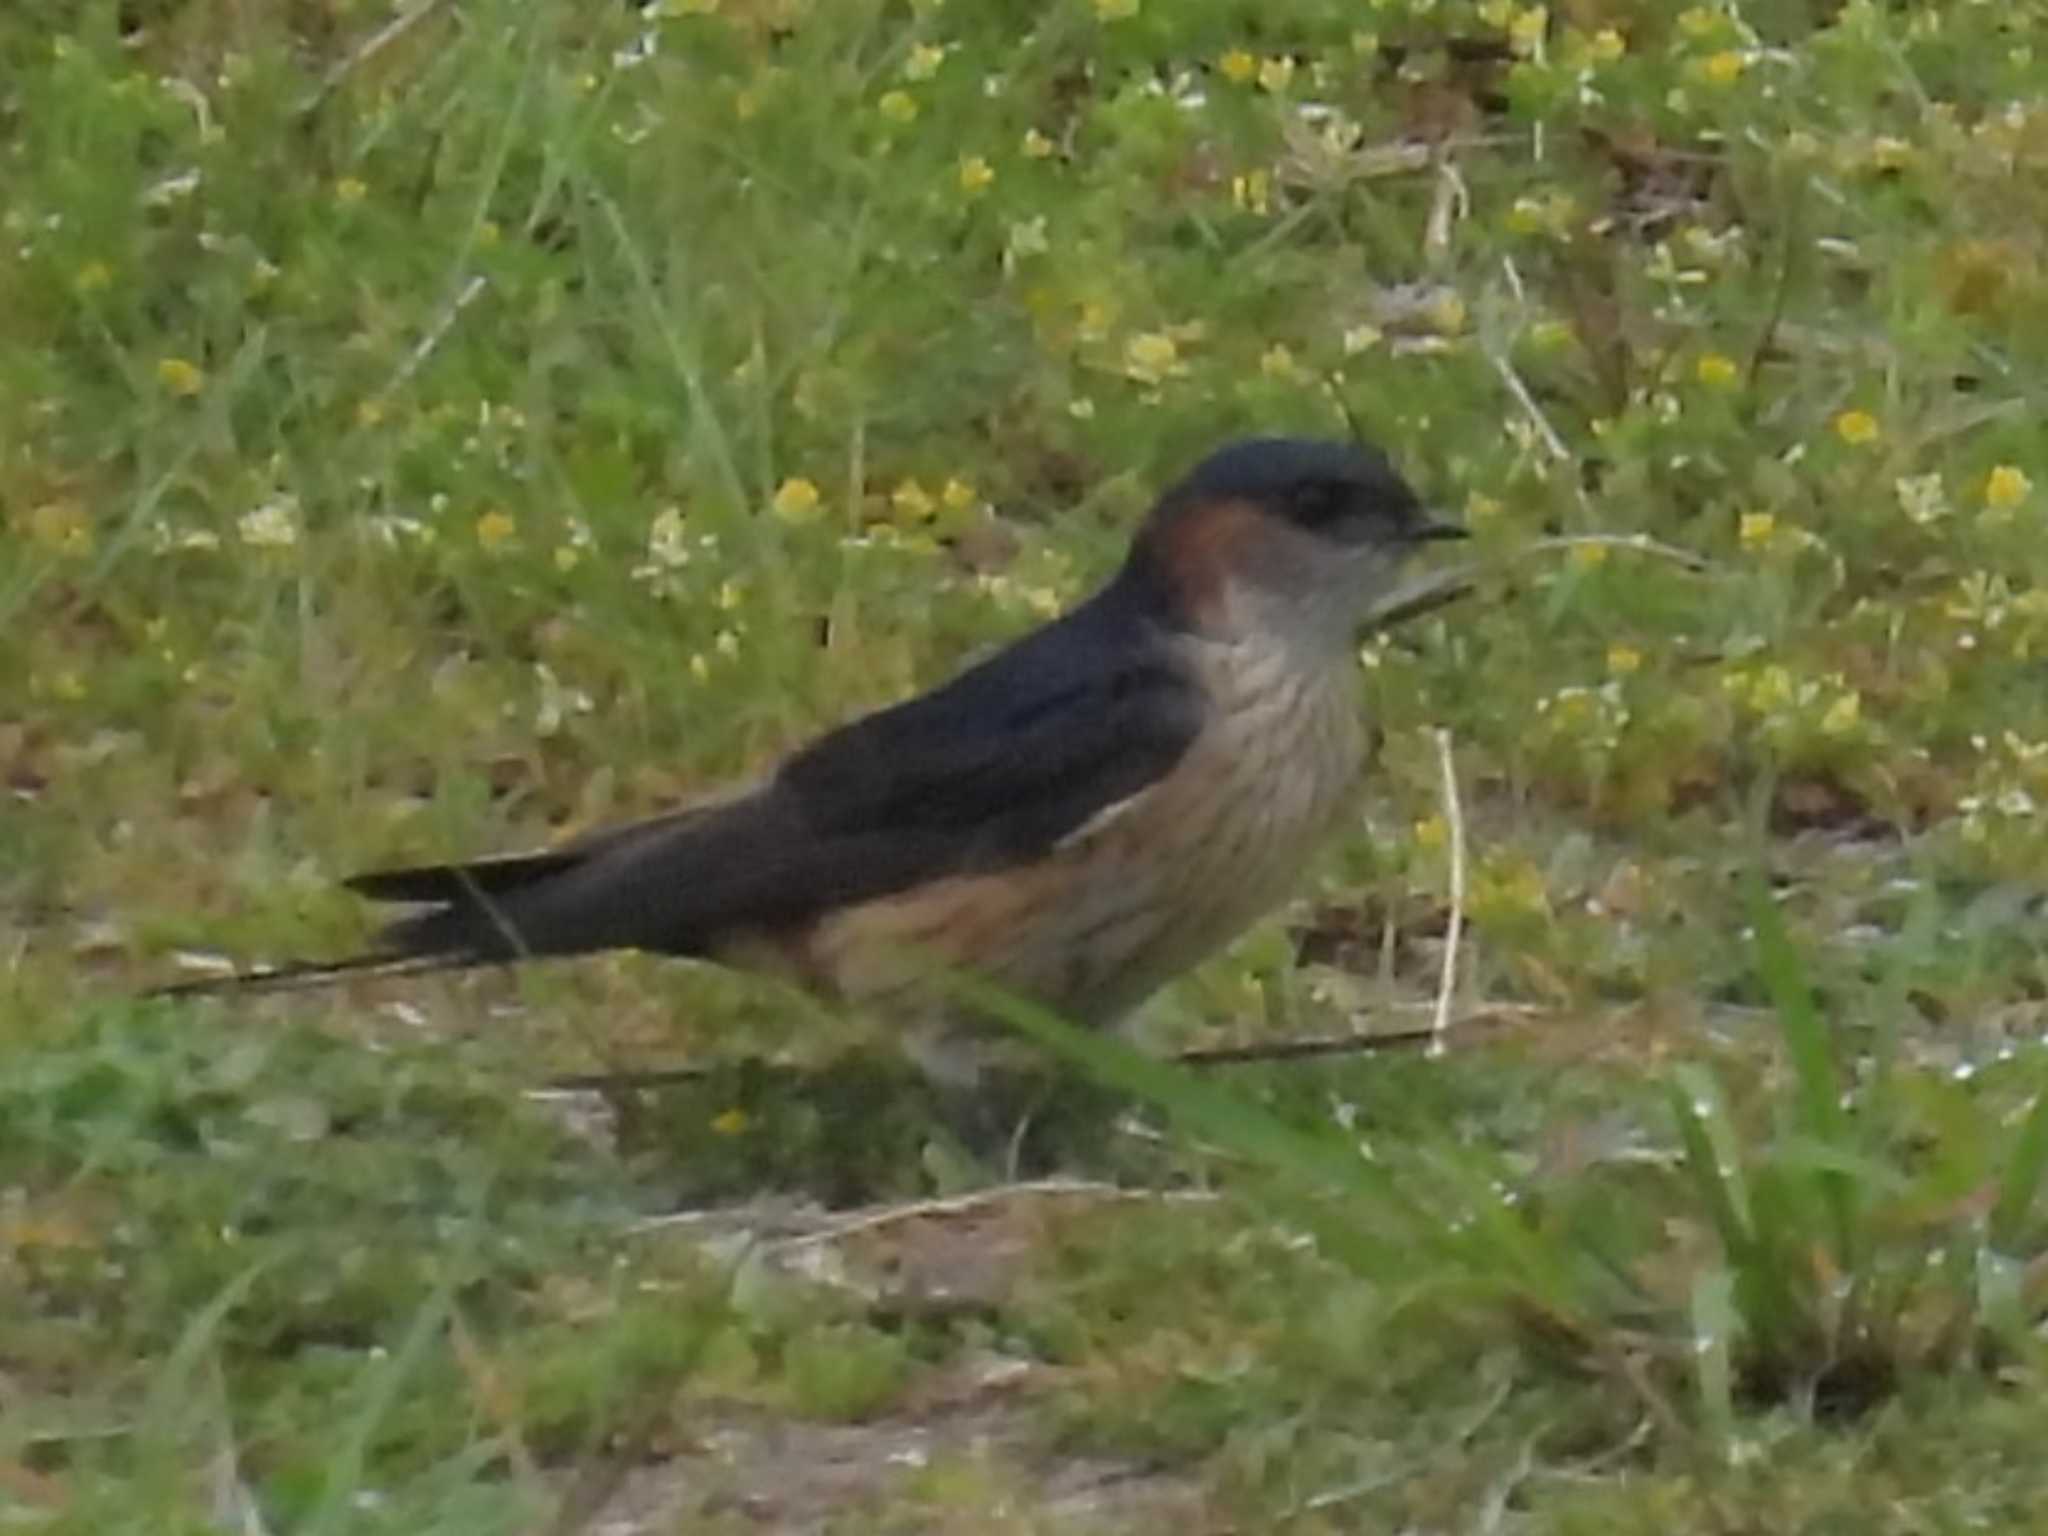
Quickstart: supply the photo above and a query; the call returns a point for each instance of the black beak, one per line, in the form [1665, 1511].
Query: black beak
[1434, 530]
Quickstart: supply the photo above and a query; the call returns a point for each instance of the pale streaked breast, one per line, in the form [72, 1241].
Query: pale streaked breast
[1148, 887]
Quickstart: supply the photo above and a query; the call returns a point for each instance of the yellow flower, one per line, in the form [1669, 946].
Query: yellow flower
[911, 502]
[730, 1123]
[93, 276]
[351, 189]
[1716, 370]
[898, 107]
[1151, 357]
[1359, 338]
[2006, 486]
[975, 175]
[1699, 22]
[958, 494]
[1252, 191]
[1723, 68]
[61, 525]
[796, 501]
[1431, 832]
[1447, 312]
[181, 378]
[1890, 154]
[1623, 659]
[1756, 529]
[1856, 427]
[924, 61]
[1527, 30]
[1843, 714]
[1608, 45]
[1116, 10]
[1279, 363]
[1036, 145]
[1237, 66]
[1589, 556]
[495, 528]
[1274, 73]
[567, 557]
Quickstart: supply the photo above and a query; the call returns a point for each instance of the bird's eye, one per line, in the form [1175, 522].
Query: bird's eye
[1321, 502]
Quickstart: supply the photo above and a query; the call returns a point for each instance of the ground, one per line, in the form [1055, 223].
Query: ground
[433, 430]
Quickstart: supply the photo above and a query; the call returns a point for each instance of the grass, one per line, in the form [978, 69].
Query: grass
[424, 442]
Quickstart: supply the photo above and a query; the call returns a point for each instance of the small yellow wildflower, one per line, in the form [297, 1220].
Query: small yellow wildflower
[1608, 45]
[1275, 73]
[1723, 68]
[567, 557]
[731, 1122]
[1036, 145]
[93, 277]
[61, 525]
[1237, 66]
[351, 189]
[957, 494]
[898, 106]
[1756, 530]
[2006, 486]
[1360, 338]
[1431, 832]
[1253, 191]
[1528, 29]
[183, 379]
[1278, 363]
[1623, 659]
[911, 502]
[495, 528]
[1589, 556]
[1116, 10]
[1716, 370]
[1856, 428]
[1699, 22]
[796, 500]
[1447, 312]
[1842, 715]
[1510, 888]
[1151, 357]
[924, 61]
[1890, 154]
[975, 175]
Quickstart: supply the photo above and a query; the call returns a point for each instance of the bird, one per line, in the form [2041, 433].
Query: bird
[1077, 819]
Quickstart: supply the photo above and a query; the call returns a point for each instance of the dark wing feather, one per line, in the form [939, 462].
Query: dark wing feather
[988, 771]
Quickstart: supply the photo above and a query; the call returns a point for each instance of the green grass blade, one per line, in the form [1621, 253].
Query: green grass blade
[1713, 1155]
[2022, 1178]
[1819, 1111]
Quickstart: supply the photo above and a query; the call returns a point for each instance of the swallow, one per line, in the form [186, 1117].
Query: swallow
[1078, 819]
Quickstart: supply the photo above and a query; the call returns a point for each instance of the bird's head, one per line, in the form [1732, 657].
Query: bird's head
[1292, 534]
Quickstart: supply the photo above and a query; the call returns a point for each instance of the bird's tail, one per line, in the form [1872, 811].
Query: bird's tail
[305, 975]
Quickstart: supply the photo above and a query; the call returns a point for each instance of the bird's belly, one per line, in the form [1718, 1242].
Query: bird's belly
[1146, 889]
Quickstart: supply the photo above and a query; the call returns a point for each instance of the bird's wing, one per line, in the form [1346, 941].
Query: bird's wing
[988, 771]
